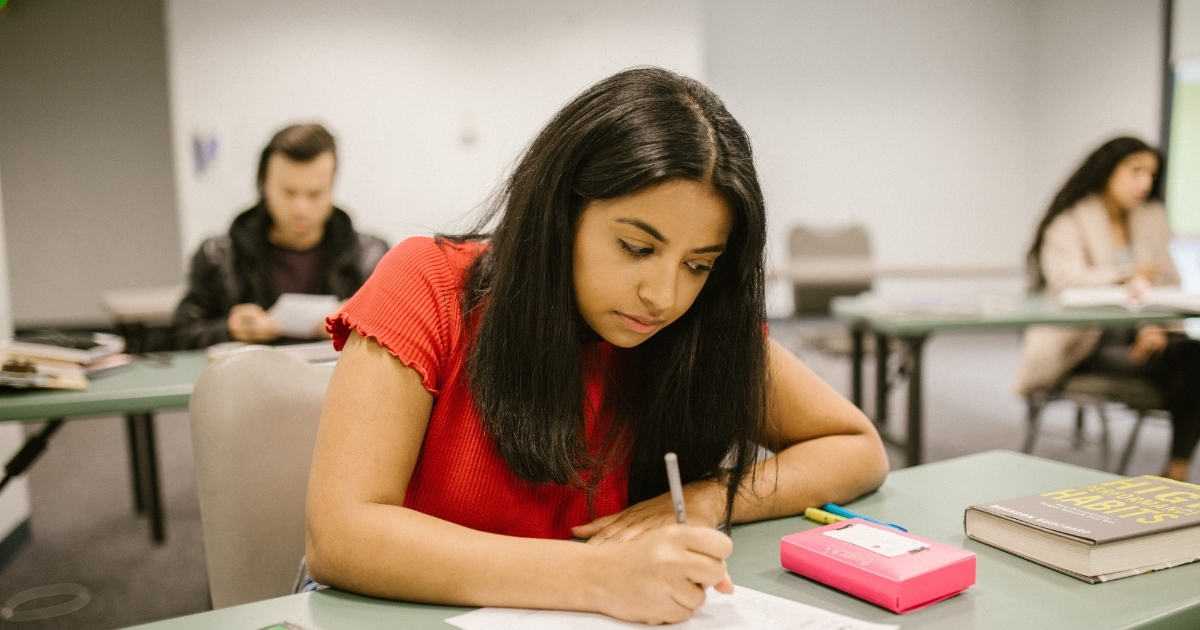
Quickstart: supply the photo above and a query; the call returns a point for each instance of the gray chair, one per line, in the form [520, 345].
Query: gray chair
[826, 263]
[254, 416]
[1100, 392]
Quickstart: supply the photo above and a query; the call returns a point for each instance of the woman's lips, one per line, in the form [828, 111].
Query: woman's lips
[637, 325]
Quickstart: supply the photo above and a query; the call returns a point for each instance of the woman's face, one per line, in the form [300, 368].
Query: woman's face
[641, 260]
[1131, 180]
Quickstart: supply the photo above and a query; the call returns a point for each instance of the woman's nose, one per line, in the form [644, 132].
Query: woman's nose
[658, 291]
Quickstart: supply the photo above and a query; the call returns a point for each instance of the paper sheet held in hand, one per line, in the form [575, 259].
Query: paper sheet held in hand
[299, 314]
[746, 609]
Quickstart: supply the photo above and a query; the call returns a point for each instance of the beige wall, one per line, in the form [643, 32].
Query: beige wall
[85, 151]
[14, 499]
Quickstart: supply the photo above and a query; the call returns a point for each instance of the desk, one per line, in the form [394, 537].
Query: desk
[136, 392]
[912, 330]
[929, 500]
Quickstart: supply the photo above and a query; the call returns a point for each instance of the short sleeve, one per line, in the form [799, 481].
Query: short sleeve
[410, 305]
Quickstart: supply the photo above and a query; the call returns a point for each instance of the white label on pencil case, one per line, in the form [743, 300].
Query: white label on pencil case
[878, 540]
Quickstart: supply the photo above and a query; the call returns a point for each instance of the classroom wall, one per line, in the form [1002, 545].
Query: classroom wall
[431, 101]
[1098, 74]
[943, 126]
[85, 148]
[14, 499]
[1185, 37]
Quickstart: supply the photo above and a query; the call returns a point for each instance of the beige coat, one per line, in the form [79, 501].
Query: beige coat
[1077, 251]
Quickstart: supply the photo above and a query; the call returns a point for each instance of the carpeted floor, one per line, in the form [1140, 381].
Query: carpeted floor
[85, 530]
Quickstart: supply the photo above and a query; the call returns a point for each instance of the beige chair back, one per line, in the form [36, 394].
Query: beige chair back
[826, 263]
[254, 417]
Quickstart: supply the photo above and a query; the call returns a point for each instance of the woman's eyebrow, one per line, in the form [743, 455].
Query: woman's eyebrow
[649, 229]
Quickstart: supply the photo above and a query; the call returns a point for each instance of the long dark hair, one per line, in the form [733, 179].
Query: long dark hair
[696, 387]
[1090, 178]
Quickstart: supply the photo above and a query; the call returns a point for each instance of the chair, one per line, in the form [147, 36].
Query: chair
[1099, 391]
[826, 263]
[254, 417]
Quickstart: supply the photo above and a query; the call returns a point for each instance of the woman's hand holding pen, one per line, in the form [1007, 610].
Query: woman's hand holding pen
[662, 575]
[676, 562]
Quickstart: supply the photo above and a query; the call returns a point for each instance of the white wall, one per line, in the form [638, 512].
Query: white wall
[14, 499]
[400, 85]
[942, 125]
[1185, 38]
[1098, 74]
[85, 144]
[909, 117]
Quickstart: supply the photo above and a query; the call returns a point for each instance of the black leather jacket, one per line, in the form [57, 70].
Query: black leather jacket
[233, 269]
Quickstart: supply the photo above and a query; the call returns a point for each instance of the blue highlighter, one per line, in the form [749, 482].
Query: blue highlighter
[841, 511]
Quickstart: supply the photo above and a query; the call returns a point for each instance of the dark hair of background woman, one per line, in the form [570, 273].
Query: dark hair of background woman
[696, 387]
[1091, 177]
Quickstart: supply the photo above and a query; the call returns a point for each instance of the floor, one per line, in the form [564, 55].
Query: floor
[85, 531]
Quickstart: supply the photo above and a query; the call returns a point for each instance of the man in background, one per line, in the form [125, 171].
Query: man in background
[292, 241]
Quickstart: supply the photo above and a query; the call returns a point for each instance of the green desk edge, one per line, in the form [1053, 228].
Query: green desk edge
[929, 500]
[146, 386]
[1036, 309]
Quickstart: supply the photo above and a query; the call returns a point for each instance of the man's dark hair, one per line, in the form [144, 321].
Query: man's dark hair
[1090, 178]
[299, 143]
[698, 386]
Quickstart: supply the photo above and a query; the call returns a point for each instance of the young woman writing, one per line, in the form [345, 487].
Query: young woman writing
[498, 395]
[1107, 226]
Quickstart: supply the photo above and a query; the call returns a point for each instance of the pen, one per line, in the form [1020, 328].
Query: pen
[821, 516]
[676, 488]
[841, 511]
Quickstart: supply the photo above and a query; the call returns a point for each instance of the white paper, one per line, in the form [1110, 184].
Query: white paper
[874, 539]
[746, 609]
[299, 314]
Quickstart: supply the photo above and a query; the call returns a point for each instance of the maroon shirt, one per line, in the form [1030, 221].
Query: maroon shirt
[297, 272]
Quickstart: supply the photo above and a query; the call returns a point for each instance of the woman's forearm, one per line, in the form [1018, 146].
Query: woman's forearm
[830, 469]
[397, 553]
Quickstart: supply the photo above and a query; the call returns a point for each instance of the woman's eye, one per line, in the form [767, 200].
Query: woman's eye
[634, 250]
[698, 268]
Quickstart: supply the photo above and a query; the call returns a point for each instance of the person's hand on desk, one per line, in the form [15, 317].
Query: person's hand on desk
[1150, 341]
[249, 323]
[705, 502]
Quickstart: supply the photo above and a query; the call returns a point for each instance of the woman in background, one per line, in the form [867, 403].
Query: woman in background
[1107, 226]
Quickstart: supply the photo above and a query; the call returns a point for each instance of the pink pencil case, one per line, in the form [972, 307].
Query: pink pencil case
[886, 567]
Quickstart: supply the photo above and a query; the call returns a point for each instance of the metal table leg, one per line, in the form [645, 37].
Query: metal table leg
[857, 331]
[881, 380]
[147, 452]
[914, 442]
[135, 460]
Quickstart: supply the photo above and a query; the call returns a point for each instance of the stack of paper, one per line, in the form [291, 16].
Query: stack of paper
[745, 609]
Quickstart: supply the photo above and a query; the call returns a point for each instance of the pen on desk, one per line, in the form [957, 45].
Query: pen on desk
[841, 511]
[821, 516]
[676, 488]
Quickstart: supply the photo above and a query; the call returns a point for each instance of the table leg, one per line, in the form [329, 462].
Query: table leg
[151, 495]
[29, 452]
[881, 380]
[135, 472]
[914, 442]
[856, 364]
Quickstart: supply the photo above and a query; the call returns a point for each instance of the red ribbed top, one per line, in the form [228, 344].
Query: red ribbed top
[411, 306]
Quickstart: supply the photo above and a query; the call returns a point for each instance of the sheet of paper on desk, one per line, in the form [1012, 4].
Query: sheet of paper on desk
[746, 609]
[299, 314]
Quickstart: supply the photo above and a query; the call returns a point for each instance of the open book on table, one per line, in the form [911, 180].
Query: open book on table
[1164, 298]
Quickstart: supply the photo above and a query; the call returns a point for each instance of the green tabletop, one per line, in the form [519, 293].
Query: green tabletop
[929, 500]
[146, 386]
[1000, 313]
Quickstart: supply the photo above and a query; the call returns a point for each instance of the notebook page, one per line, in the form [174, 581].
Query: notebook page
[745, 609]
